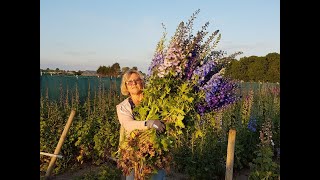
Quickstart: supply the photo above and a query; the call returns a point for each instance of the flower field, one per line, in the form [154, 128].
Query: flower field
[93, 136]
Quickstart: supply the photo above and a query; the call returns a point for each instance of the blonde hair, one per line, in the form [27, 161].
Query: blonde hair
[125, 77]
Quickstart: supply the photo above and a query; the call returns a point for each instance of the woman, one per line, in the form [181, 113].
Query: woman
[132, 85]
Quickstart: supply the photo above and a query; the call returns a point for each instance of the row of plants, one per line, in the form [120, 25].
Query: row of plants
[93, 136]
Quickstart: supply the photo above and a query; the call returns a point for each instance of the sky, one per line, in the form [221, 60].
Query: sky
[85, 34]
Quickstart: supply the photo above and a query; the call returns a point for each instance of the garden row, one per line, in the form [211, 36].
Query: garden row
[93, 136]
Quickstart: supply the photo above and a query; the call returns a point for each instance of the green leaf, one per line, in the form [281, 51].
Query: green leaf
[179, 122]
[199, 133]
[164, 144]
[180, 111]
[143, 112]
[184, 87]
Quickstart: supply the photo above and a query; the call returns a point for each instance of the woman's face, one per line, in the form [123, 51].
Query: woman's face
[134, 84]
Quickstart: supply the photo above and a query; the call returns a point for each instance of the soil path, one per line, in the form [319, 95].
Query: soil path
[242, 175]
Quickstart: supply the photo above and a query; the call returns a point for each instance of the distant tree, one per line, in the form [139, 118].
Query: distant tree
[234, 70]
[273, 56]
[99, 70]
[102, 71]
[254, 68]
[111, 71]
[257, 69]
[273, 73]
[244, 64]
[135, 68]
[115, 68]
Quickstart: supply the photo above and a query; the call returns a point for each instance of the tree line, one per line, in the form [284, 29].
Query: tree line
[255, 68]
[247, 69]
[113, 70]
[59, 71]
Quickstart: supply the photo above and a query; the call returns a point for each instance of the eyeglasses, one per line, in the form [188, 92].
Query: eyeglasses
[131, 82]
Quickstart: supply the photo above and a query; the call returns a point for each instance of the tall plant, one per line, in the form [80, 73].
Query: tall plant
[263, 166]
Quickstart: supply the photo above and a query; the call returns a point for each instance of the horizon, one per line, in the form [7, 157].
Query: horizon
[82, 35]
[123, 66]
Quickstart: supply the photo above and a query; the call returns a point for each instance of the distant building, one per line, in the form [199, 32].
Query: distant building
[89, 73]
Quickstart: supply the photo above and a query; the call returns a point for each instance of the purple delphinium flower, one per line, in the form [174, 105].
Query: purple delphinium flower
[201, 108]
[252, 125]
[192, 63]
[156, 61]
[203, 71]
[172, 61]
[187, 70]
[219, 92]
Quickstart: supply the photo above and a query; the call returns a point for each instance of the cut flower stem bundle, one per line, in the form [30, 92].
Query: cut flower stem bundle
[185, 81]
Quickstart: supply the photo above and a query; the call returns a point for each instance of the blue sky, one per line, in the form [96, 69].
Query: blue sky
[86, 34]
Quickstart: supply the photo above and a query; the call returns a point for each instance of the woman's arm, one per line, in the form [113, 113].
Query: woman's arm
[126, 118]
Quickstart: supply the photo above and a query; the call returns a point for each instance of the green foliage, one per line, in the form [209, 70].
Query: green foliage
[91, 136]
[245, 147]
[263, 166]
[173, 104]
[113, 70]
[254, 68]
[200, 159]
[200, 152]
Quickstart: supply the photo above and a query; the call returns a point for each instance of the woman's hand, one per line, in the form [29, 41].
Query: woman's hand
[158, 125]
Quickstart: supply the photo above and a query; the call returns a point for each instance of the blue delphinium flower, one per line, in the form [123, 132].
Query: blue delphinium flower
[252, 125]
[156, 61]
[203, 71]
[192, 63]
[201, 109]
[219, 92]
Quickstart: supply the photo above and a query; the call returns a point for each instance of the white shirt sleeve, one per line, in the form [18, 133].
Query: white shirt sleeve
[126, 118]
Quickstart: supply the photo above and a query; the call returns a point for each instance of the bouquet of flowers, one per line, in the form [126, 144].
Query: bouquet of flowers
[184, 82]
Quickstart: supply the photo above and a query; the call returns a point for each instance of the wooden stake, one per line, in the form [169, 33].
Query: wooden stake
[52, 155]
[58, 148]
[230, 154]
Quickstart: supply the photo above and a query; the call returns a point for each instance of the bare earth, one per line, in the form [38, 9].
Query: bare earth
[243, 175]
